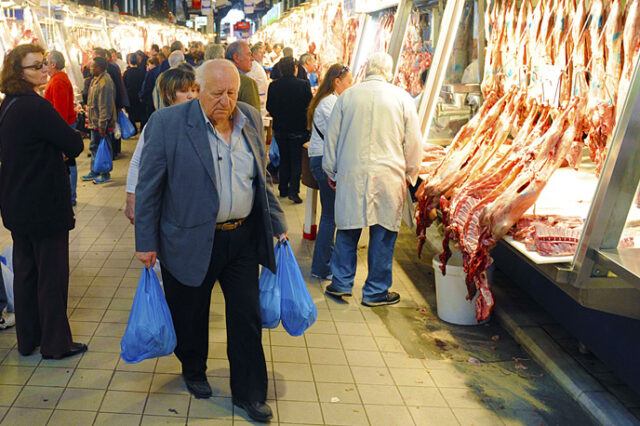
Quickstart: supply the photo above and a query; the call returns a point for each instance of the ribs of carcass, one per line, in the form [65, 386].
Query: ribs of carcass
[630, 47]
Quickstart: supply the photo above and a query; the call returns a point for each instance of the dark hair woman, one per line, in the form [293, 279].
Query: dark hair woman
[35, 203]
[337, 79]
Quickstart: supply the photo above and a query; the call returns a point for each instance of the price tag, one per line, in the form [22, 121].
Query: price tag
[550, 78]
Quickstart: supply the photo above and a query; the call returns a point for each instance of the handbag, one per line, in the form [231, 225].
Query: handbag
[103, 162]
[297, 310]
[150, 332]
[127, 129]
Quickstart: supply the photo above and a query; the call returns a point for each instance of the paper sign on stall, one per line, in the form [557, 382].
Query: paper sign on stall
[550, 78]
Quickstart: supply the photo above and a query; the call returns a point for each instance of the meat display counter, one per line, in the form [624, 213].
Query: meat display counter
[558, 84]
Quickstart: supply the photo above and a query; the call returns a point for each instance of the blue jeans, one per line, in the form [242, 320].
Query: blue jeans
[380, 261]
[321, 263]
[93, 147]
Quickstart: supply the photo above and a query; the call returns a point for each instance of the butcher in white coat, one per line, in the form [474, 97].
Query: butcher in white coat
[372, 152]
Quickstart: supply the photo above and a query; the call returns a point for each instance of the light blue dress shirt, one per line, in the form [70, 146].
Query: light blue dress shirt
[235, 169]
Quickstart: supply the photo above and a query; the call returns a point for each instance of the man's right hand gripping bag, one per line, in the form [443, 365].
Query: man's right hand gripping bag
[297, 310]
[150, 332]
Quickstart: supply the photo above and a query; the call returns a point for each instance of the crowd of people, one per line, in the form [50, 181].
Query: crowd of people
[198, 190]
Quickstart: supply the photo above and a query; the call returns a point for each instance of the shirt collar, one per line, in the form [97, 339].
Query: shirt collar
[375, 77]
[238, 121]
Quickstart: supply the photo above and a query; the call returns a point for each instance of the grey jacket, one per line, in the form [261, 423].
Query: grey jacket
[102, 103]
[176, 197]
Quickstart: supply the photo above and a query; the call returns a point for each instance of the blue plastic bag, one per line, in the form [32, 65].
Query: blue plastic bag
[150, 332]
[127, 129]
[270, 295]
[103, 162]
[274, 153]
[297, 310]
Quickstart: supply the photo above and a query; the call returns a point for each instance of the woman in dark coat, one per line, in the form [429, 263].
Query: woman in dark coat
[133, 78]
[35, 203]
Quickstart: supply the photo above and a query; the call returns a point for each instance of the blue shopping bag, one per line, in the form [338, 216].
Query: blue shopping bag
[127, 129]
[297, 310]
[103, 162]
[270, 295]
[274, 152]
[150, 332]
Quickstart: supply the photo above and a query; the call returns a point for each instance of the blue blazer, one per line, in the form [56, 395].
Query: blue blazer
[176, 197]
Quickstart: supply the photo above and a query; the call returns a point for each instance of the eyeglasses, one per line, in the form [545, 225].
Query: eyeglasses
[343, 71]
[37, 67]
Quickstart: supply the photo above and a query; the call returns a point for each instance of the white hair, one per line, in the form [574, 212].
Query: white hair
[55, 57]
[175, 58]
[380, 63]
[214, 63]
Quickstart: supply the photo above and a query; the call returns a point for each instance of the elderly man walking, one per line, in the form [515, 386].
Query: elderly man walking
[372, 152]
[239, 53]
[59, 92]
[205, 206]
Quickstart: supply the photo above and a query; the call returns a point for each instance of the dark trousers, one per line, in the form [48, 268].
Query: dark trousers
[234, 265]
[290, 146]
[41, 287]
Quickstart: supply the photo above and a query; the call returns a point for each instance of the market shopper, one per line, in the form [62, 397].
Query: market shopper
[210, 232]
[35, 203]
[101, 115]
[259, 75]
[287, 101]
[176, 86]
[196, 54]
[133, 78]
[176, 58]
[59, 92]
[214, 51]
[121, 98]
[337, 79]
[276, 54]
[276, 72]
[146, 91]
[239, 53]
[306, 66]
[372, 152]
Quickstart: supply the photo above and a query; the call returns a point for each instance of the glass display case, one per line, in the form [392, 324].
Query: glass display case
[512, 176]
[375, 36]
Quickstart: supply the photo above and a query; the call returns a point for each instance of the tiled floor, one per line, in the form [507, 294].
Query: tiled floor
[386, 366]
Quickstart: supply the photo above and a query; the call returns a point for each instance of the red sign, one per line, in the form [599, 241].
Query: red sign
[196, 4]
[242, 26]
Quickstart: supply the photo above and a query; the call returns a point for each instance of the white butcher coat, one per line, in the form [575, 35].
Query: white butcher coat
[372, 147]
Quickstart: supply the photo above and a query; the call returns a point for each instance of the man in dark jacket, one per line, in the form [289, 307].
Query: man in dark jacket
[287, 102]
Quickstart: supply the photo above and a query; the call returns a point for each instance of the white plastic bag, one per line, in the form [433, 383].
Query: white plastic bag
[7, 277]
[117, 134]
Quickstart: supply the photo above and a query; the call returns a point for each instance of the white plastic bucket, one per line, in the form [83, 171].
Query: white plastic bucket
[451, 293]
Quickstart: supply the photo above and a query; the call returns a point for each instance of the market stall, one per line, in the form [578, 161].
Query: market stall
[320, 28]
[541, 169]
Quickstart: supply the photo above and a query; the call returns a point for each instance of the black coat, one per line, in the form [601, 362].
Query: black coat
[122, 98]
[35, 197]
[287, 102]
[133, 78]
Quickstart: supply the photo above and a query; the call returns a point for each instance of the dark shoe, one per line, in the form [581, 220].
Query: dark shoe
[258, 411]
[90, 176]
[76, 348]
[391, 299]
[199, 388]
[332, 291]
[282, 195]
[295, 198]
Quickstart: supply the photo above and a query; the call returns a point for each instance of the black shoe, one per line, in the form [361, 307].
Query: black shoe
[295, 198]
[258, 411]
[76, 348]
[199, 388]
[391, 299]
[283, 195]
[332, 291]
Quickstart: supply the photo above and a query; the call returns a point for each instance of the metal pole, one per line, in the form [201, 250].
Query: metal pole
[399, 32]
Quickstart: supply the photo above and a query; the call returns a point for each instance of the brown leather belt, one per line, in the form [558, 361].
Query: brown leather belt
[230, 225]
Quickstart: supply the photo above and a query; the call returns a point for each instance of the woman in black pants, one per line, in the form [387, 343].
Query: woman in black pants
[35, 203]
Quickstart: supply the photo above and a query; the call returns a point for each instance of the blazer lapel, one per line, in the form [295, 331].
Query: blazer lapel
[198, 135]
